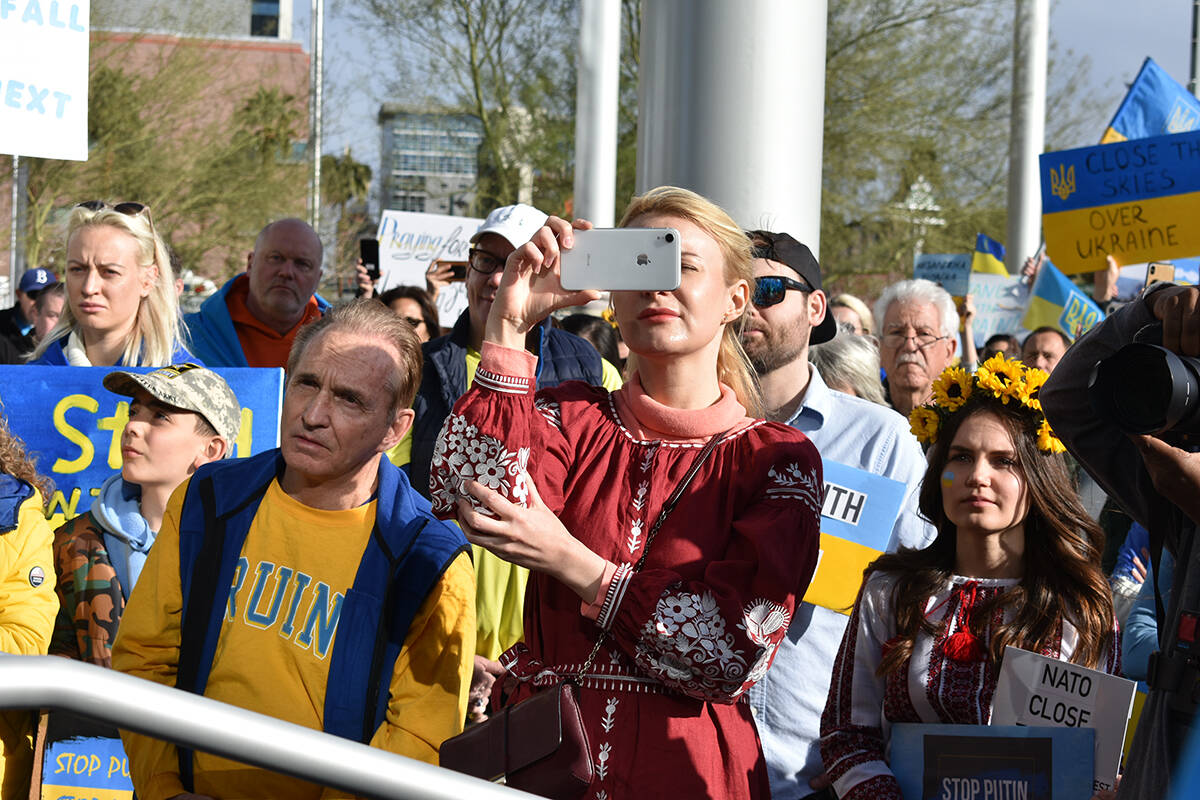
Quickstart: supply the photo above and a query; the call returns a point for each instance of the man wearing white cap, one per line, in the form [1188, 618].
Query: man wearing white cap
[450, 364]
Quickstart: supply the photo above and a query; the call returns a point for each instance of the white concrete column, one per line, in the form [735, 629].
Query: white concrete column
[1027, 138]
[731, 102]
[596, 110]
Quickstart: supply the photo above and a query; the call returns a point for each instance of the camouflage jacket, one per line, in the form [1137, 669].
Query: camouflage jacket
[89, 594]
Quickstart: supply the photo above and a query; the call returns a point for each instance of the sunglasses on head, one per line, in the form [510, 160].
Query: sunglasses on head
[771, 289]
[129, 209]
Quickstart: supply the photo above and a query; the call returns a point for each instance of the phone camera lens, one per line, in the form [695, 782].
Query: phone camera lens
[670, 237]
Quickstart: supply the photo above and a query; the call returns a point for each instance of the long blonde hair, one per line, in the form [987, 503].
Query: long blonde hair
[155, 335]
[733, 367]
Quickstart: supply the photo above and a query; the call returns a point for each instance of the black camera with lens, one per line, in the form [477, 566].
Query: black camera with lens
[1144, 388]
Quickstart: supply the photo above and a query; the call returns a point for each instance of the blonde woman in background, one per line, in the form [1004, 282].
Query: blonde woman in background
[848, 309]
[122, 307]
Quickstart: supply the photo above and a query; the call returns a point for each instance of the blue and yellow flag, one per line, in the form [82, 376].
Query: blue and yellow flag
[989, 256]
[1058, 303]
[1155, 105]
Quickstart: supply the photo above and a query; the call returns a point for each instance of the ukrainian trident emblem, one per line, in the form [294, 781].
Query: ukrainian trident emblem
[1062, 182]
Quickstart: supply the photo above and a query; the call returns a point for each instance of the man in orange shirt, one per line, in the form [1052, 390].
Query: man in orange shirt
[252, 320]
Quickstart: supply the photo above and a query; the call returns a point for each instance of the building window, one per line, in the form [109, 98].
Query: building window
[264, 18]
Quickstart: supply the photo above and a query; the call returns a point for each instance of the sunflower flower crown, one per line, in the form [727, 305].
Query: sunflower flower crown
[998, 380]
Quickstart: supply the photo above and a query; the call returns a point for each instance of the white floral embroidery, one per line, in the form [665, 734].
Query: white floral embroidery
[762, 620]
[797, 484]
[463, 453]
[602, 760]
[635, 536]
[551, 410]
[601, 795]
[639, 499]
[686, 642]
[610, 708]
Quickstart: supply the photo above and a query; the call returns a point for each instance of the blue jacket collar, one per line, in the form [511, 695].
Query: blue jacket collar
[13, 492]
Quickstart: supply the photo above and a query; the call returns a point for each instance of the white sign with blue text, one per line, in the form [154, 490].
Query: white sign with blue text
[951, 271]
[44, 78]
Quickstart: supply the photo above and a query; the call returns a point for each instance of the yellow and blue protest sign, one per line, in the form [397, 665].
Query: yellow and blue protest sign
[1136, 201]
[86, 767]
[1155, 104]
[857, 517]
[73, 424]
[1058, 303]
[989, 256]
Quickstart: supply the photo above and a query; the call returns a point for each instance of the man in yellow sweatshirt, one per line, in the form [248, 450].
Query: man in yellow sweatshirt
[309, 583]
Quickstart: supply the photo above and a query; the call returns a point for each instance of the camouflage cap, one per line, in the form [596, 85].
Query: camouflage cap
[189, 387]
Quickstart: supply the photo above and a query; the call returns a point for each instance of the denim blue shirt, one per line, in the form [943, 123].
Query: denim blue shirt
[788, 701]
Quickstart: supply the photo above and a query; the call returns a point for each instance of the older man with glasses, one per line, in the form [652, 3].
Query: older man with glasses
[789, 313]
[450, 364]
[918, 337]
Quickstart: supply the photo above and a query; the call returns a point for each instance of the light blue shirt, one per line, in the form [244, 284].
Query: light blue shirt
[788, 701]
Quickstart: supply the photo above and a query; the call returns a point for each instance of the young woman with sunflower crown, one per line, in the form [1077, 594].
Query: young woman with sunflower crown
[1016, 561]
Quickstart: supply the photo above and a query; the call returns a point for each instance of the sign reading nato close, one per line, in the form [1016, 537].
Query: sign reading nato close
[1136, 201]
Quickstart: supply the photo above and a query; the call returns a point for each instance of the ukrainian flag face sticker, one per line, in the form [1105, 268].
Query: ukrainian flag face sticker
[947, 479]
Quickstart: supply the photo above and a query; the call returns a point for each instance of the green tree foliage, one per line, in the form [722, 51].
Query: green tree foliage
[345, 184]
[510, 64]
[920, 89]
[211, 178]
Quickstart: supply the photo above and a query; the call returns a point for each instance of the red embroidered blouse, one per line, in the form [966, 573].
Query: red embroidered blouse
[699, 624]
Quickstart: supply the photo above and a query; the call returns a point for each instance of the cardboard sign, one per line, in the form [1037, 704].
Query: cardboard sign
[857, 516]
[1000, 303]
[1136, 201]
[980, 762]
[44, 78]
[409, 242]
[1037, 690]
[952, 272]
[73, 424]
[94, 768]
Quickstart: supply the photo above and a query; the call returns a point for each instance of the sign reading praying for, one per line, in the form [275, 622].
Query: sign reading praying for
[44, 78]
[73, 424]
[857, 516]
[1037, 690]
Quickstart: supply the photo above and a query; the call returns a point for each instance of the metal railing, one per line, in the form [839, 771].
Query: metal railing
[197, 722]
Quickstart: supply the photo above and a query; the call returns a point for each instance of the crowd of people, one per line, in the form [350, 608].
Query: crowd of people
[460, 518]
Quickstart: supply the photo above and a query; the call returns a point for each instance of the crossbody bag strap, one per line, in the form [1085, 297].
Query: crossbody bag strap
[667, 508]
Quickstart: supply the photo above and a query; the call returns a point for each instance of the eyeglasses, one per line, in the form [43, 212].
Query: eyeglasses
[922, 340]
[129, 209]
[771, 289]
[483, 262]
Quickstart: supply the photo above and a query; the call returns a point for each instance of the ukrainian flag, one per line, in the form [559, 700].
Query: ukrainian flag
[989, 256]
[1058, 303]
[1155, 105]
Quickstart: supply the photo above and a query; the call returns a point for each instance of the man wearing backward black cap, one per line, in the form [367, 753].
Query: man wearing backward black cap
[789, 312]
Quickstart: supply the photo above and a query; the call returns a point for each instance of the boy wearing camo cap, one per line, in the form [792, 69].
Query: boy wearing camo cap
[180, 417]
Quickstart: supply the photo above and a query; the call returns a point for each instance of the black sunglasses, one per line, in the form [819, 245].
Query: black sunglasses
[771, 289]
[129, 209]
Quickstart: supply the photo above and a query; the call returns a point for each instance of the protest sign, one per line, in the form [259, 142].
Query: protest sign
[73, 424]
[450, 301]
[409, 242]
[1000, 303]
[1135, 201]
[952, 272]
[1040, 691]
[81, 758]
[982, 762]
[44, 78]
[857, 515]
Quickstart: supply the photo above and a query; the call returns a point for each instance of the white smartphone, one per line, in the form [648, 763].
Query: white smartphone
[622, 259]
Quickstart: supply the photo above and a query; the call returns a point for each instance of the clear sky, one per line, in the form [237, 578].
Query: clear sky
[1115, 36]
